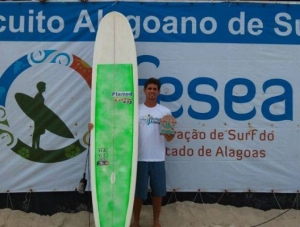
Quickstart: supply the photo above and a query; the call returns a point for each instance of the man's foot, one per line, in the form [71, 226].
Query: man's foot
[156, 224]
[135, 225]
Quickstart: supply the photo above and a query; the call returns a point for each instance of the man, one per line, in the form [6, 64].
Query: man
[151, 153]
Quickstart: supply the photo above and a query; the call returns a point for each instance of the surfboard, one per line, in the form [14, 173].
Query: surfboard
[114, 113]
[44, 117]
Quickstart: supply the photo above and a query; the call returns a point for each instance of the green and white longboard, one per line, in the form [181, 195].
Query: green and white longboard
[114, 113]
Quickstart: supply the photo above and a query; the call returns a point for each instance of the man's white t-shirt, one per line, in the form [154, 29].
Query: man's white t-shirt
[151, 143]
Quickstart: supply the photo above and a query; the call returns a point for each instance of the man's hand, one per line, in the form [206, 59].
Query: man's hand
[90, 126]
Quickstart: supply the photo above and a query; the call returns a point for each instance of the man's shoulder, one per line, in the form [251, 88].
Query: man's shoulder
[163, 108]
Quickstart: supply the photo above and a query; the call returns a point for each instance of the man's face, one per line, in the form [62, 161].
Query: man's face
[151, 91]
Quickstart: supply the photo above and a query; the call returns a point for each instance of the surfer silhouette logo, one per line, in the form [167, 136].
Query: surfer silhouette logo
[38, 122]
[28, 124]
[43, 117]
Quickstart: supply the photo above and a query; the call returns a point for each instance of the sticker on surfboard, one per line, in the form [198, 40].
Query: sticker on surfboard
[122, 96]
[103, 157]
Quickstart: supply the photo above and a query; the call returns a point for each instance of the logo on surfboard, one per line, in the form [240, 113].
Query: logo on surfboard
[122, 96]
[27, 122]
[103, 157]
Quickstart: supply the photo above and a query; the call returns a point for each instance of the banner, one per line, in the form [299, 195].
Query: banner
[229, 74]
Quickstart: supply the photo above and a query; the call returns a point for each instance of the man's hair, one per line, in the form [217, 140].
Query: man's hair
[152, 80]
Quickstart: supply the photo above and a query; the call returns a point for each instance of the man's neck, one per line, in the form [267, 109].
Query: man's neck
[150, 104]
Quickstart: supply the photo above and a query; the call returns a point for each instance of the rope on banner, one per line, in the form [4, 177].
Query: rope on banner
[296, 199]
[8, 198]
[276, 199]
[27, 201]
[221, 196]
[173, 193]
[198, 193]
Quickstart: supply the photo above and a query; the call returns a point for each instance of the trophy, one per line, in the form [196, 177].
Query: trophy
[168, 123]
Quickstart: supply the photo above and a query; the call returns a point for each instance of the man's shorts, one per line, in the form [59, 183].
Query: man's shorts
[157, 174]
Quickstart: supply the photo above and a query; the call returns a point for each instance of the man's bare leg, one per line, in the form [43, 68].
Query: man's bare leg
[137, 207]
[157, 201]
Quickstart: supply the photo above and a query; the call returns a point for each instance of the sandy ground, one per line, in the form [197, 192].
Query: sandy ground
[179, 214]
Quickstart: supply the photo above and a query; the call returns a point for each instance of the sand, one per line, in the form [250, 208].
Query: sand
[179, 214]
